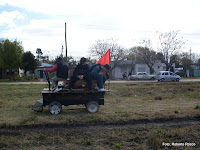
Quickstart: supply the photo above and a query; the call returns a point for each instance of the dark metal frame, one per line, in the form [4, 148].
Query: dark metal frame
[64, 97]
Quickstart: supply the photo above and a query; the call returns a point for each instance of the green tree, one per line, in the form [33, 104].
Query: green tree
[10, 54]
[28, 62]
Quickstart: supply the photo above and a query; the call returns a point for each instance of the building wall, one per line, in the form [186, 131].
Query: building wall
[158, 66]
[119, 70]
[141, 68]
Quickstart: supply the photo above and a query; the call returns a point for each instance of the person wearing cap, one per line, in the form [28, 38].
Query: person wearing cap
[100, 73]
[61, 70]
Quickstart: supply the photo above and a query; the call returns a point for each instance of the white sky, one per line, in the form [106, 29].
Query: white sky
[41, 23]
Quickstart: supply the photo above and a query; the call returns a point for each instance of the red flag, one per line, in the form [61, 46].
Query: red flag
[105, 59]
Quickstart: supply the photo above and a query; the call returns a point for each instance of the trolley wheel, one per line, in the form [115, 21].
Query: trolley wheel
[55, 108]
[92, 106]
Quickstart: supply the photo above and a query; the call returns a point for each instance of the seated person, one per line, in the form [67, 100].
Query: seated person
[61, 72]
[81, 72]
[100, 73]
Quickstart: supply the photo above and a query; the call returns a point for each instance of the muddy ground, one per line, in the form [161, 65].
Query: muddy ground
[174, 133]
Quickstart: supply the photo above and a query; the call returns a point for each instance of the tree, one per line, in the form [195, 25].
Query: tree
[186, 62]
[91, 60]
[28, 62]
[71, 61]
[169, 43]
[145, 54]
[159, 56]
[39, 53]
[10, 54]
[117, 53]
[176, 59]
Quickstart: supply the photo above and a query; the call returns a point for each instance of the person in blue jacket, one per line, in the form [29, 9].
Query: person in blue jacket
[100, 73]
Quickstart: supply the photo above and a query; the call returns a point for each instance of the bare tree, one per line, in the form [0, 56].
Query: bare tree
[169, 43]
[146, 55]
[117, 53]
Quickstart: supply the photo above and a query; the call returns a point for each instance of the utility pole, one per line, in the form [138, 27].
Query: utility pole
[190, 55]
[66, 39]
[190, 62]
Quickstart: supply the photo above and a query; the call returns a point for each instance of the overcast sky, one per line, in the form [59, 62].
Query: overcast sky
[41, 23]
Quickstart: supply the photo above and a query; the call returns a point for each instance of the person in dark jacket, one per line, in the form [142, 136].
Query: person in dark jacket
[81, 72]
[61, 72]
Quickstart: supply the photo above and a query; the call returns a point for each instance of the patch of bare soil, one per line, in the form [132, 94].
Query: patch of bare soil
[173, 133]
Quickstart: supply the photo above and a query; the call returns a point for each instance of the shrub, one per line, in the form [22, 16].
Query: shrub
[197, 107]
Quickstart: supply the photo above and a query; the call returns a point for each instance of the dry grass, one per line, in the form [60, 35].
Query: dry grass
[125, 102]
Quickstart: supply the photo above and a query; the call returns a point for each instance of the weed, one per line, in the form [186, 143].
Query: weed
[60, 118]
[155, 139]
[118, 145]
[176, 111]
[119, 112]
[71, 120]
[86, 141]
[43, 137]
[197, 107]
[137, 138]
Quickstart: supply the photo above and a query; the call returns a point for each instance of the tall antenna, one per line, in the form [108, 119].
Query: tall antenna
[66, 39]
[62, 51]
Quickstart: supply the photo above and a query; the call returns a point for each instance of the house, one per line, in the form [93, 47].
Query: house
[7, 73]
[135, 66]
[39, 70]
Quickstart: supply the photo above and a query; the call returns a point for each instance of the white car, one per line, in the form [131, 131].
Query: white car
[168, 76]
[142, 76]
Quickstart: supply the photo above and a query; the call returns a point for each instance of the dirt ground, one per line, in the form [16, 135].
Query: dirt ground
[179, 133]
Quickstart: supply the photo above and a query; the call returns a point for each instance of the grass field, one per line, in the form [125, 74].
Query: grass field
[124, 103]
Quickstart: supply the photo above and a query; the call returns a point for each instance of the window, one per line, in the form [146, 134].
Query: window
[166, 73]
[141, 69]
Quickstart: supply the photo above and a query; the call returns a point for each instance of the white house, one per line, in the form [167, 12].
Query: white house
[135, 66]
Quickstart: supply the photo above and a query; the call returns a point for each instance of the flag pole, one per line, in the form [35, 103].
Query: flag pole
[109, 73]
